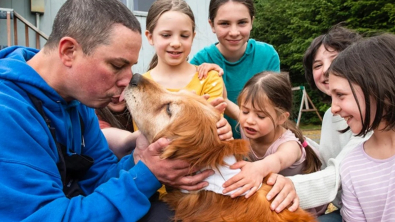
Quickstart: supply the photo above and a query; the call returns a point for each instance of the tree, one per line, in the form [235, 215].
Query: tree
[291, 25]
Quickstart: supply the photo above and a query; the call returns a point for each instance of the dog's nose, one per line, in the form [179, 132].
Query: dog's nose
[135, 79]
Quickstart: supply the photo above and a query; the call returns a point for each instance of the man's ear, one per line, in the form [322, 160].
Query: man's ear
[212, 25]
[148, 34]
[67, 50]
[282, 118]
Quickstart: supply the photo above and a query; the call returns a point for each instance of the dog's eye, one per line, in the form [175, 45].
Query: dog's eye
[168, 109]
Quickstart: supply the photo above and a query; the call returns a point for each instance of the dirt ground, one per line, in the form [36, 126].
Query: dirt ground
[313, 134]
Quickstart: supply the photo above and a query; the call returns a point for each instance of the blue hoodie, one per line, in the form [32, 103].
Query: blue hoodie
[258, 57]
[30, 183]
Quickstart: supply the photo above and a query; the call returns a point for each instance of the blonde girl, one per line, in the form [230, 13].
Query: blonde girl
[171, 29]
[361, 83]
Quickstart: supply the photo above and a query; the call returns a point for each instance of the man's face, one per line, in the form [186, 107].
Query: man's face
[100, 77]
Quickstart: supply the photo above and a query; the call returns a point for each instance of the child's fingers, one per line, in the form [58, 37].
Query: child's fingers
[221, 72]
[238, 165]
[252, 191]
[233, 185]
[243, 189]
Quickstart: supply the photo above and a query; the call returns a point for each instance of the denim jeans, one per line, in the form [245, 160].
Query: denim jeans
[331, 217]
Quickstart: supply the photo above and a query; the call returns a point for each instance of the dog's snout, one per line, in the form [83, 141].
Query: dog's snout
[135, 79]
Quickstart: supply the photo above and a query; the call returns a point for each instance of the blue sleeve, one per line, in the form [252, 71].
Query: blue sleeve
[30, 184]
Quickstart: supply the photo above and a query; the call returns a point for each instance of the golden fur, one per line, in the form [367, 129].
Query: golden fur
[190, 122]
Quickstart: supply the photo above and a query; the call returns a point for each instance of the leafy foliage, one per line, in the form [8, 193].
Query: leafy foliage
[291, 25]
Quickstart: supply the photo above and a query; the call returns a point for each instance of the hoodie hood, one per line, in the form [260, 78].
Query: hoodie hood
[24, 75]
[17, 74]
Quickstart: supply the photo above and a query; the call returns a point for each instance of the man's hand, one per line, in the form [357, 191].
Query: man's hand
[174, 173]
[284, 192]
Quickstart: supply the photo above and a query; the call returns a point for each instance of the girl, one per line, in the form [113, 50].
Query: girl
[239, 56]
[361, 83]
[322, 187]
[171, 29]
[276, 144]
[116, 115]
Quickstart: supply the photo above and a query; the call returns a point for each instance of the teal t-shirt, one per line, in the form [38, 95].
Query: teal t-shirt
[258, 57]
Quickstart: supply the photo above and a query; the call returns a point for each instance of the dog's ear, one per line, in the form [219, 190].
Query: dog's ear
[239, 148]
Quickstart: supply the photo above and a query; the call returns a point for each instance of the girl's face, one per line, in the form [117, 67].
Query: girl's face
[344, 103]
[323, 59]
[172, 38]
[256, 123]
[232, 25]
[117, 107]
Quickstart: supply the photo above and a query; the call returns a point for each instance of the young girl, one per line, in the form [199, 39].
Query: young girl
[276, 144]
[239, 56]
[116, 115]
[361, 83]
[323, 187]
[171, 29]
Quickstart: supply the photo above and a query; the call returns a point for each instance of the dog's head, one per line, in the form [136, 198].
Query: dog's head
[183, 117]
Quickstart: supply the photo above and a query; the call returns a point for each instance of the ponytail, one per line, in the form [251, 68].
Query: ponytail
[312, 162]
[154, 62]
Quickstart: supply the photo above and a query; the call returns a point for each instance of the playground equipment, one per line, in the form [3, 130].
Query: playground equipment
[305, 104]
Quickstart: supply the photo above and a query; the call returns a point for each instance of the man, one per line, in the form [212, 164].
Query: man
[54, 161]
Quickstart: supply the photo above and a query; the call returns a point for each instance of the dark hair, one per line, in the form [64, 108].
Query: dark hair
[370, 64]
[90, 22]
[338, 38]
[276, 88]
[157, 9]
[215, 4]
[118, 120]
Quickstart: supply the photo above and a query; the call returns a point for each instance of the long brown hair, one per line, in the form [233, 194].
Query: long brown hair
[276, 88]
[120, 121]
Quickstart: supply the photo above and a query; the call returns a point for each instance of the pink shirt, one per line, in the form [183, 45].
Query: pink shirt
[368, 187]
[295, 168]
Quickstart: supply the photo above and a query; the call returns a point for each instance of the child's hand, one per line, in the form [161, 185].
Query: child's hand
[204, 68]
[283, 193]
[250, 178]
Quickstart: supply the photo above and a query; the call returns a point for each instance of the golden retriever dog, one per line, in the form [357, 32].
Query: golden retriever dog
[190, 122]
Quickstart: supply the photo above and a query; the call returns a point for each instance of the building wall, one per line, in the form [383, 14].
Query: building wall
[204, 35]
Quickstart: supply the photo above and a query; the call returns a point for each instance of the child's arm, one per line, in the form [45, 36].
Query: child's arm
[232, 110]
[204, 68]
[252, 174]
[121, 142]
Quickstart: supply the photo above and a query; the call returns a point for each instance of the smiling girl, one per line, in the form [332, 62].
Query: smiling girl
[239, 56]
[171, 30]
[361, 83]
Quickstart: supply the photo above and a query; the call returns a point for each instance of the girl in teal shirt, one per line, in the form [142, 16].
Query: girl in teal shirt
[239, 56]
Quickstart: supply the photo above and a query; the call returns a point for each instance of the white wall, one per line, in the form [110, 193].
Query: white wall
[204, 35]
